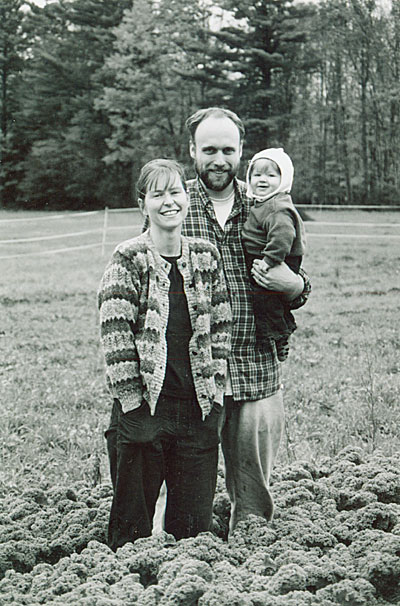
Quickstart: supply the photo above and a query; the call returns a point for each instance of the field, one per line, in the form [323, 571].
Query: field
[341, 379]
[341, 389]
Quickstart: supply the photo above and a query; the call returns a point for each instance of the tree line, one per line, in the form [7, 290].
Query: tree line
[92, 89]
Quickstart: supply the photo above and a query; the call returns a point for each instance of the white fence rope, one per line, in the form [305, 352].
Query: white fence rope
[106, 228]
[352, 224]
[369, 236]
[52, 251]
[41, 238]
[41, 218]
[347, 207]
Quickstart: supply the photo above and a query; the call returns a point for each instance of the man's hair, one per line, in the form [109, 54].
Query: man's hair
[217, 112]
[153, 171]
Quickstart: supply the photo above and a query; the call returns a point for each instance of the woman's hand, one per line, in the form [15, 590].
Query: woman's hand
[279, 278]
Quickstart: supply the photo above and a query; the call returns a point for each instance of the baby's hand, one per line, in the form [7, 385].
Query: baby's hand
[279, 278]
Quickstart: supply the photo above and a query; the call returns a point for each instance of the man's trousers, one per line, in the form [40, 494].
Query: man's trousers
[251, 434]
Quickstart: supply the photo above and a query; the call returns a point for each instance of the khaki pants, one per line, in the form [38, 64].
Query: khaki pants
[251, 435]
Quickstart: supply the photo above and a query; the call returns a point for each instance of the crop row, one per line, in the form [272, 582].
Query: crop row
[335, 540]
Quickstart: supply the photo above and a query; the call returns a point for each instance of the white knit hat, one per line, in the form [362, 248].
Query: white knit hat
[285, 166]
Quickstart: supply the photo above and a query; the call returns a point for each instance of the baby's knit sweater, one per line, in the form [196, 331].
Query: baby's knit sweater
[274, 230]
[134, 308]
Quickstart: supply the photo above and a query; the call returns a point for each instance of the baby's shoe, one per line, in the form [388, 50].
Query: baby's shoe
[282, 348]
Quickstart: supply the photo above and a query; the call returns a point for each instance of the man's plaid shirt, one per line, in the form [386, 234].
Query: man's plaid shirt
[254, 374]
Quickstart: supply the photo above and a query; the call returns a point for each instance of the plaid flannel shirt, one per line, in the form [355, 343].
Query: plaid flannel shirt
[254, 374]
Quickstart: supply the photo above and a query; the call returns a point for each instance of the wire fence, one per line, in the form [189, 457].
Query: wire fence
[106, 228]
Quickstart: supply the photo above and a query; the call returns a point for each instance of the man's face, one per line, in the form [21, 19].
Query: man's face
[216, 151]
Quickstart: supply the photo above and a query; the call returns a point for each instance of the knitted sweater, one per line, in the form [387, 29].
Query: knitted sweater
[134, 308]
[274, 230]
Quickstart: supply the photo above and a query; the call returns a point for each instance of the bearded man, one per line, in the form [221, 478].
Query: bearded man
[253, 404]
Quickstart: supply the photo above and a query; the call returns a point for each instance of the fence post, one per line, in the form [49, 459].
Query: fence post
[105, 225]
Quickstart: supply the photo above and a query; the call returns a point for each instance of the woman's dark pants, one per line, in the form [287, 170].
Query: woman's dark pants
[175, 445]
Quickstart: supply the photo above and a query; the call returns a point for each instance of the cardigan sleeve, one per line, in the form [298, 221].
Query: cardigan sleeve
[221, 325]
[118, 298]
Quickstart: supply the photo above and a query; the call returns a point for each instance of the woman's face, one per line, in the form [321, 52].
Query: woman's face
[166, 202]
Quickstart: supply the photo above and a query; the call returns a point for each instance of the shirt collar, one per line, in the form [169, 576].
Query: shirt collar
[183, 259]
[206, 200]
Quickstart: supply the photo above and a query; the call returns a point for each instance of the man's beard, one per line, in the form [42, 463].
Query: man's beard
[214, 182]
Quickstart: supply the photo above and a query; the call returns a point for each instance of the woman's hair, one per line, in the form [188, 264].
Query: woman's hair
[161, 172]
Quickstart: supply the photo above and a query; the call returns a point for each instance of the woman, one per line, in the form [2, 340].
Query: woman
[165, 324]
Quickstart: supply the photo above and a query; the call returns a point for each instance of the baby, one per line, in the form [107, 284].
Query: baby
[273, 232]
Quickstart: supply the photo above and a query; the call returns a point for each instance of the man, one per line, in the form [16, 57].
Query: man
[254, 415]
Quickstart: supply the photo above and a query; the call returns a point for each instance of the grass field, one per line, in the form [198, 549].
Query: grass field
[342, 381]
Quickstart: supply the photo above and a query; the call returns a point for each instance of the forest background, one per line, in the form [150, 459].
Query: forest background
[92, 89]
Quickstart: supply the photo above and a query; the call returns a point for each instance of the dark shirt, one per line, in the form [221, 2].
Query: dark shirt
[178, 380]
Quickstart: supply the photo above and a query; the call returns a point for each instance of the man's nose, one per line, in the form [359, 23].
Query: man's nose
[219, 158]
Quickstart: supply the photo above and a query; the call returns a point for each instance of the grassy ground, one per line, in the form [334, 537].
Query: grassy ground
[341, 379]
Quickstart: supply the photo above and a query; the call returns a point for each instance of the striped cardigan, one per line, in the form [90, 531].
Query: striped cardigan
[134, 308]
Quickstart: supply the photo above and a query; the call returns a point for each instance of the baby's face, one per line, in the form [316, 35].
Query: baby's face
[265, 178]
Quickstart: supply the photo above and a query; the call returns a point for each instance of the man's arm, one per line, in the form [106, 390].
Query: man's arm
[280, 278]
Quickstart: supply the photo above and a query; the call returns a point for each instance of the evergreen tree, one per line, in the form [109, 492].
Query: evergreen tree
[66, 136]
[352, 102]
[152, 93]
[12, 47]
[265, 45]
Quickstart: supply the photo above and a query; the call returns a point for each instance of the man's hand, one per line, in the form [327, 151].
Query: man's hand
[279, 278]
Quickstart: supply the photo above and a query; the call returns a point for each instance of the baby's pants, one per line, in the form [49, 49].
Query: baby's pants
[175, 445]
[272, 314]
[273, 317]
